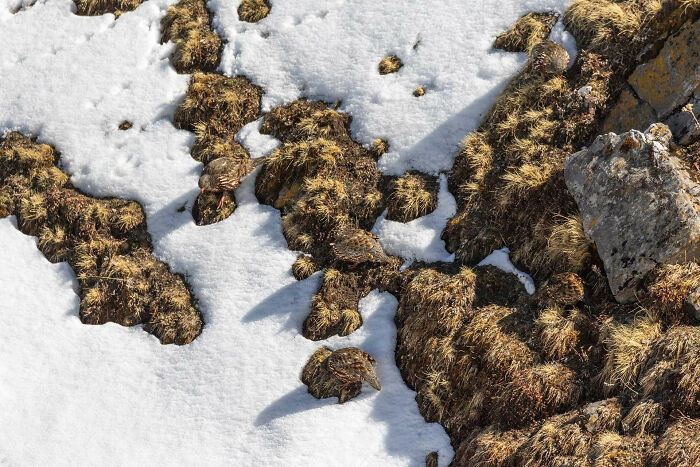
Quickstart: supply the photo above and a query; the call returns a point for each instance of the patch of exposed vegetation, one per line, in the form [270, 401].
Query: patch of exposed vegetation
[253, 11]
[215, 108]
[390, 64]
[104, 240]
[197, 47]
[567, 376]
[411, 196]
[324, 183]
[100, 7]
[526, 32]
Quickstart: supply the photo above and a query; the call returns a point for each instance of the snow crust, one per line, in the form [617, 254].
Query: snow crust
[110, 395]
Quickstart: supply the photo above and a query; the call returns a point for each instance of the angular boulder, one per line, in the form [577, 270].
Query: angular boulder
[639, 204]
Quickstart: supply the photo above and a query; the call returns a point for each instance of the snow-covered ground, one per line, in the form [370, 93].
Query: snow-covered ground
[76, 394]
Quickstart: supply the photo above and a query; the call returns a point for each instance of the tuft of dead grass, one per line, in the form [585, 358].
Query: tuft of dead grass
[567, 243]
[526, 32]
[197, 47]
[390, 64]
[411, 196]
[628, 346]
[253, 11]
[303, 267]
[679, 445]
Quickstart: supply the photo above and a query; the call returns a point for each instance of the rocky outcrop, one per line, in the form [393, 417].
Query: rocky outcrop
[638, 203]
[660, 90]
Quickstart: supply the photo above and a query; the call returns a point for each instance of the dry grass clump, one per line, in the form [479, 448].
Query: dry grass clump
[628, 346]
[474, 366]
[320, 179]
[679, 445]
[379, 148]
[253, 11]
[568, 244]
[197, 47]
[672, 369]
[411, 196]
[303, 267]
[334, 309]
[100, 7]
[670, 288]
[419, 91]
[104, 240]
[646, 416]
[320, 381]
[560, 331]
[390, 64]
[526, 32]
[598, 23]
[216, 107]
[490, 447]
[538, 392]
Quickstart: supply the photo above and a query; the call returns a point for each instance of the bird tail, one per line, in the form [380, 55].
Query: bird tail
[371, 378]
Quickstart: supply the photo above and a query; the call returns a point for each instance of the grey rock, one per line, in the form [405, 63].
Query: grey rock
[667, 81]
[684, 123]
[639, 205]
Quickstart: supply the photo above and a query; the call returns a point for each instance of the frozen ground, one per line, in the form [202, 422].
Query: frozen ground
[72, 393]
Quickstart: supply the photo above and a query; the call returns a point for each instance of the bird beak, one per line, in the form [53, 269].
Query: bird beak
[202, 191]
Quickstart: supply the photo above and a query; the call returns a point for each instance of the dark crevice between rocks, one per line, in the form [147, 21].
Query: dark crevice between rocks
[105, 241]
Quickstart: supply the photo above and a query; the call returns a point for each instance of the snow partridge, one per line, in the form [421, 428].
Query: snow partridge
[352, 365]
[225, 174]
[548, 59]
[358, 246]
[561, 289]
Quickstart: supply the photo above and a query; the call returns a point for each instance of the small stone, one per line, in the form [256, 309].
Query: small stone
[419, 91]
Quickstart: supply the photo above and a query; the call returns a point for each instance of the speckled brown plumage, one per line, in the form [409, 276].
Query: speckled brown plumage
[548, 59]
[359, 246]
[561, 289]
[352, 365]
[225, 174]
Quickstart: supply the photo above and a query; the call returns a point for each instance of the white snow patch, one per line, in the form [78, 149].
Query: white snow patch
[330, 50]
[257, 144]
[419, 239]
[501, 259]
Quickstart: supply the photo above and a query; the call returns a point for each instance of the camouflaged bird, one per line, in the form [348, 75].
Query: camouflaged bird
[560, 289]
[359, 246]
[352, 365]
[225, 174]
[548, 59]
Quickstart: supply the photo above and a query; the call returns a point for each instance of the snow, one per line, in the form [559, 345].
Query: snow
[72, 393]
[501, 259]
[419, 239]
[330, 50]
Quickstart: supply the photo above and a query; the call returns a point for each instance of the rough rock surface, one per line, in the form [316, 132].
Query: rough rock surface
[639, 205]
[677, 66]
[660, 88]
